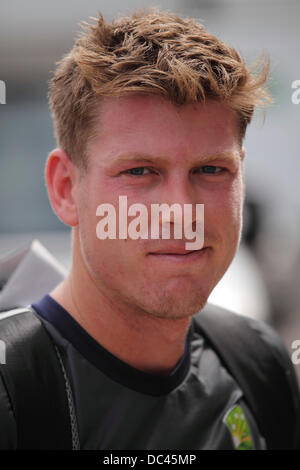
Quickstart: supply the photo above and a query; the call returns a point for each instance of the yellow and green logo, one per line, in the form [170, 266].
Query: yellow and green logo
[236, 422]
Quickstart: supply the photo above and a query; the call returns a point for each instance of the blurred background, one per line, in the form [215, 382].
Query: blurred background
[264, 279]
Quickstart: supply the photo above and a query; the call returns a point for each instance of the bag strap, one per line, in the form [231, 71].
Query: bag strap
[270, 389]
[35, 383]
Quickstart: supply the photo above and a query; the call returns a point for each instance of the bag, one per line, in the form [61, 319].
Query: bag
[35, 382]
[42, 407]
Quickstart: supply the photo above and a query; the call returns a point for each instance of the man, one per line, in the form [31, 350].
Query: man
[154, 108]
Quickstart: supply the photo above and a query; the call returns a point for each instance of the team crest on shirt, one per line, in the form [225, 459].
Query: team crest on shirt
[236, 422]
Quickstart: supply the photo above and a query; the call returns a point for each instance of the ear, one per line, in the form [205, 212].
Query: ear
[61, 177]
[243, 154]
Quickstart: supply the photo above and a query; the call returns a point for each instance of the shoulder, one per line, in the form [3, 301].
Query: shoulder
[242, 328]
[245, 335]
[255, 355]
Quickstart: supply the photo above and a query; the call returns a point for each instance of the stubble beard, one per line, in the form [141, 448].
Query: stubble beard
[164, 305]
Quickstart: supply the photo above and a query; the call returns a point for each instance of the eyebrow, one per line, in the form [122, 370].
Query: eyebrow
[144, 158]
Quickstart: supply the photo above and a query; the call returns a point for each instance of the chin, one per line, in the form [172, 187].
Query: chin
[177, 298]
[177, 305]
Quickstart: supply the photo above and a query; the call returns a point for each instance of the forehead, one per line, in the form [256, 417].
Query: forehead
[155, 126]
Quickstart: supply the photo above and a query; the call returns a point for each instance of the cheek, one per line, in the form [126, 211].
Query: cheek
[234, 213]
[235, 204]
[91, 194]
[237, 199]
[223, 210]
[110, 260]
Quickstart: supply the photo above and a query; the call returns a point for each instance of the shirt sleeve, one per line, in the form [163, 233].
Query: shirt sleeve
[8, 430]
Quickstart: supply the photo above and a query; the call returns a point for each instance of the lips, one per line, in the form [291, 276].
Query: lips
[174, 250]
[169, 252]
[179, 257]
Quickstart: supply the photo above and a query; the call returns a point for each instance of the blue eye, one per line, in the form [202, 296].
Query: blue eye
[210, 169]
[143, 171]
[139, 171]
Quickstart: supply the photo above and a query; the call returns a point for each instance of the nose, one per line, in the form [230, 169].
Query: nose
[179, 193]
[180, 210]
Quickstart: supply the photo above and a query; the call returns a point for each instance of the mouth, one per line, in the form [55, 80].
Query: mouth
[178, 255]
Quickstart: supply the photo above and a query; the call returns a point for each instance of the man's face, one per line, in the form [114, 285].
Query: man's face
[185, 155]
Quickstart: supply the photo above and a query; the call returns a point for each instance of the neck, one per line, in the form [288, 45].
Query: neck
[148, 343]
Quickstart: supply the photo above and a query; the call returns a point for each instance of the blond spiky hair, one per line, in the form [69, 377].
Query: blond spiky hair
[150, 52]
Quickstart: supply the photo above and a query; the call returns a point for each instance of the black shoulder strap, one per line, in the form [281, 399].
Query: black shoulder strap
[35, 383]
[270, 391]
